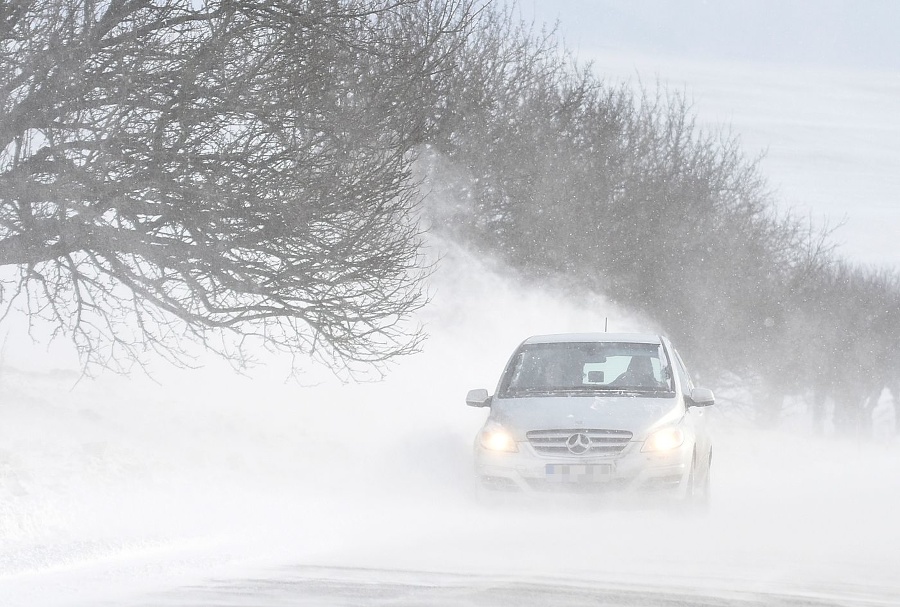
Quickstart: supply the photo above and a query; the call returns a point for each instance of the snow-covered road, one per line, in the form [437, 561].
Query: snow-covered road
[213, 489]
[319, 586]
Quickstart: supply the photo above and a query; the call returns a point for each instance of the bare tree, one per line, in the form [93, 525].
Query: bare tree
[176, 170]
[605, 188]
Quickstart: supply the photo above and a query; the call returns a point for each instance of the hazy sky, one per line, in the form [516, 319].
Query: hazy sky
[826, 32]
[812, 86]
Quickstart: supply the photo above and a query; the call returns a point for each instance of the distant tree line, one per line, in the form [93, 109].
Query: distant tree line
[575, 181]
[242, 173]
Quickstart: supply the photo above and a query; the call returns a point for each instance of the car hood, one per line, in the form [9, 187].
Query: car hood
[635, 414]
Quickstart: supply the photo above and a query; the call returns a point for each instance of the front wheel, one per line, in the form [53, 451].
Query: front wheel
[697, 493]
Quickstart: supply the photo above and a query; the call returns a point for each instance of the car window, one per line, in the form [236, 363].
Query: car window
[586, 367]
[684, 378]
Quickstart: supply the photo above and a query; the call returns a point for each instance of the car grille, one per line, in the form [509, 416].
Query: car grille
[603, 442]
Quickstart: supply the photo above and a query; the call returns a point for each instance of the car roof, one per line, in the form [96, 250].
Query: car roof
[637, 338]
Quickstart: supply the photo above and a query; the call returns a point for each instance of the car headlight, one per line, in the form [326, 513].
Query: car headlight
[664, 440]
[498, 439]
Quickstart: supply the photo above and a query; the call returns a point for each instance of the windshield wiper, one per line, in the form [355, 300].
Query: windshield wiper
[631, 391]
[584, 390]
[544, 390]
[660, 392]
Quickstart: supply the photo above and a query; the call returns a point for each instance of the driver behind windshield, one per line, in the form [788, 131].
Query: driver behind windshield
[559, 367]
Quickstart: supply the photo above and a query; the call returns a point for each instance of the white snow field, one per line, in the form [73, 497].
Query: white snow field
[207, 488]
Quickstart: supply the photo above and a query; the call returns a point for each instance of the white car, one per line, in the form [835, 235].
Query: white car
[595, 413]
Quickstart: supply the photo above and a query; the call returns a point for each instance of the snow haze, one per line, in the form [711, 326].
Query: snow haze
[814, 86]
[144, 493]
[832, 33]
[131, 491]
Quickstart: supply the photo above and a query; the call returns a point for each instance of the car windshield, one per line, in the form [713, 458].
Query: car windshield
[610, 368]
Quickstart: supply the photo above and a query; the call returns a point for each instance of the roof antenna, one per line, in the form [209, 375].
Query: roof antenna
[606, 325]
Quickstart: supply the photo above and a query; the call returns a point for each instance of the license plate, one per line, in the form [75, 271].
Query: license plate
[578, 473]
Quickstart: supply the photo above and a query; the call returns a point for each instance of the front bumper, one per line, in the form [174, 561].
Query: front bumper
[628, 472]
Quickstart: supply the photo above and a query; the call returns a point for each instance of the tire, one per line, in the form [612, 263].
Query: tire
[697, 493]
[707, 482]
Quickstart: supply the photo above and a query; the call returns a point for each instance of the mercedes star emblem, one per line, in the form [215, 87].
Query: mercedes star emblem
[579, 444]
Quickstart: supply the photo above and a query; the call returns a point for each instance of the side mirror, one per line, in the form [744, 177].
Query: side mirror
[701, 397]
[478, 398]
